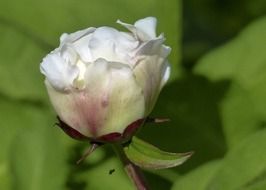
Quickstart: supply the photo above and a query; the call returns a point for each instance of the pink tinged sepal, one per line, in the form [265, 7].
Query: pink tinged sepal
[115, 137]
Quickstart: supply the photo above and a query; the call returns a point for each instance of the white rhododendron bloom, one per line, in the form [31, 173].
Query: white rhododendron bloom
[102, 80]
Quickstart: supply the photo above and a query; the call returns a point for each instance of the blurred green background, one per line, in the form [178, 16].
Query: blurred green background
[216, 98]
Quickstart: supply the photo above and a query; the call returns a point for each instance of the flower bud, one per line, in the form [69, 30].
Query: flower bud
[103, 82]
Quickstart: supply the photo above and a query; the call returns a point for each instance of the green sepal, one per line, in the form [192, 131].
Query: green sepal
[148, 156]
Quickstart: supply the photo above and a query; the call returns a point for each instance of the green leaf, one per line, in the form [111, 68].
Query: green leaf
[233, 60]
[19, 68]
[98, 176]
[31, 148]
[261, 185]
[15, 118]
[38, 160]
[241, 62]
[198, 178]
[148, 156]
[243, 166]
[240, 116]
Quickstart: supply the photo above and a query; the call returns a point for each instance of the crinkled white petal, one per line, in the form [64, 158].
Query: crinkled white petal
[111, 45]
[130, 27]
[83, 49]
[79, 41]
[59, 73]
[147, 26]
[68, 54]
[143, 29]
[151, 47]
[70, 38]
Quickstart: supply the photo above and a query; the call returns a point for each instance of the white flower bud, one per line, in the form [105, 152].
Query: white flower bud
[101, 80]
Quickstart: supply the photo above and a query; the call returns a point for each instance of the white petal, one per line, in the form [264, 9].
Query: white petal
[113, 89]
[111, 45]
[82, 48]
[149, 73]
[165, 74]
[151, 47]
[110, 102]
[59, 73]
[143, 29]
[130, 27]
[68, 54]
[165, 51]
[70, 38]
[79, 41]
[147, 26]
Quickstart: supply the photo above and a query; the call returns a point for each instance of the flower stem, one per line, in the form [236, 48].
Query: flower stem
[133, 171]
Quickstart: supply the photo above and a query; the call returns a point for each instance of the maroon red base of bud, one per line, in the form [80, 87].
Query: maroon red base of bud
[70, 131]
[109, 138]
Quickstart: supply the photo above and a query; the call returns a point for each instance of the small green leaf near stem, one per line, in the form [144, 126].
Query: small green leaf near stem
[148, 156]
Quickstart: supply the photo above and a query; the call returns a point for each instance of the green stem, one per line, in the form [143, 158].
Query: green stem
[133, 171]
